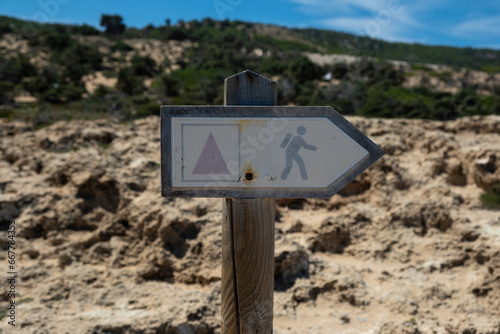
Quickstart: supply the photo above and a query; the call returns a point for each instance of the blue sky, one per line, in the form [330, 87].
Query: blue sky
[439, 22]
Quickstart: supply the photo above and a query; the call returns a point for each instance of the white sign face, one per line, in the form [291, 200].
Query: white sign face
[276, 152]
[260, 152]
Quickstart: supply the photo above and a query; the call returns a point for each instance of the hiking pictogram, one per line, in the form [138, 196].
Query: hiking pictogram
[292, 152]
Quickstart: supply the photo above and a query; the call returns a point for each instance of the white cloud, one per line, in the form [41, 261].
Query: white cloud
[345, 6]
[374, 5]
[489, 26]
[316, 7]
[388, 20]
[407, 20]
[369, 27]
[385, 19]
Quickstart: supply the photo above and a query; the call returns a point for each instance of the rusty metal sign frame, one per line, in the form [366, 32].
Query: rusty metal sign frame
[168, 112]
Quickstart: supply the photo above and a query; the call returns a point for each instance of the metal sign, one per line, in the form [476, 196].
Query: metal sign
[259, 152]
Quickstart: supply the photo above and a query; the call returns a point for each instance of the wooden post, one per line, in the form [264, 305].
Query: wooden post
[248, 233]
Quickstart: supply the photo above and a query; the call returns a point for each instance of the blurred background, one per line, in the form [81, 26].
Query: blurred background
[415, 59]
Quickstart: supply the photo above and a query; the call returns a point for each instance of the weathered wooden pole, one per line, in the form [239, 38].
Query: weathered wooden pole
[248, 233]
[193, 165]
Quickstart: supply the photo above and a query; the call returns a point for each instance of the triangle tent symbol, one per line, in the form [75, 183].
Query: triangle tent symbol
[211, 160]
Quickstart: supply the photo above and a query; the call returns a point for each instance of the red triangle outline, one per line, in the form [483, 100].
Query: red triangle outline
[211, 160]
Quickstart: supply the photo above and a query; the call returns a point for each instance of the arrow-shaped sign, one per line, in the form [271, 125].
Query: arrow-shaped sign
[259, 152]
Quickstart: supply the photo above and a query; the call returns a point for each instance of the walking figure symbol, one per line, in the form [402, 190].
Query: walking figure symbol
[292, 152]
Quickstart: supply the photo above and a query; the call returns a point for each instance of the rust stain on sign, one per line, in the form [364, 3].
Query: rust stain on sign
[246, 124]
[250, 175]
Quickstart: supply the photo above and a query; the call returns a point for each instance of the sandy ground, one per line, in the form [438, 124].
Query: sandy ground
[405, 248]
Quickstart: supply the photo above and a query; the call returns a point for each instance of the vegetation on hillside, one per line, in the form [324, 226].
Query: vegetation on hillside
[335, 42]
[371, 87]
[491, 198]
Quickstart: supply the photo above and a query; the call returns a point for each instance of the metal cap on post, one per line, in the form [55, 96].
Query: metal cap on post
[248, 233]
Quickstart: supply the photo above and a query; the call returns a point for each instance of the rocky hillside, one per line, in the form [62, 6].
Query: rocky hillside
[62, 72]
[406, 248]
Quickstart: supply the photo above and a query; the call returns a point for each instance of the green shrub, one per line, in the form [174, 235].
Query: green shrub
[79, 54]
[5, 29]
[491, 68]
[379, 104]
[421, 67]
[34, 40]
[281, 44]
[388, 74]
[344, 106]
[6, 88]
[366, 67]
[129, 82]
[139, 99]
[6, 112]
[443, 106]
[57, 39]
[177, 34]
[102, 91]
[62, 93]
[121, 46]
[109, 73]
[145, 110]
[465, 103]
[339, 71]
[78, 60]
[394, 102]
[74, 73]
[143, 66]
[304, 94]
[16, 68]
[43, 81]
[302, 70]
[171, 85]
[495, 106]
[491, 198]
[272, 65]
[84, 30]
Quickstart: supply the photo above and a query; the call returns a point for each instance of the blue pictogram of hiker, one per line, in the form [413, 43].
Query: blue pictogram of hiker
[292, 152]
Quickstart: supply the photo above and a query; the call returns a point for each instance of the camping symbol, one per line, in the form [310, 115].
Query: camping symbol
[292, 152]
